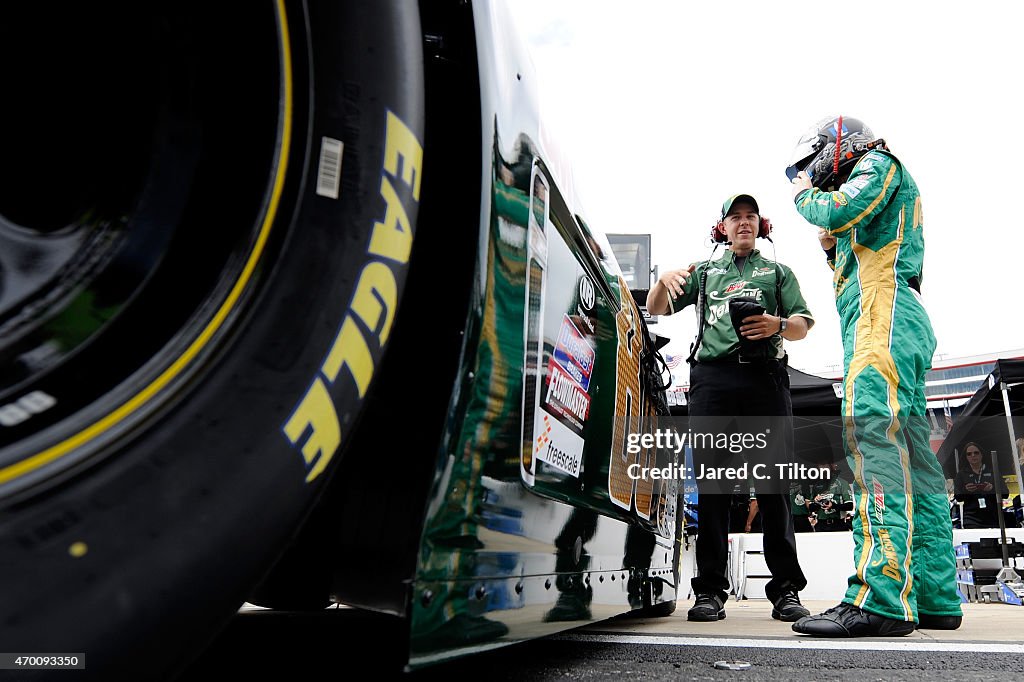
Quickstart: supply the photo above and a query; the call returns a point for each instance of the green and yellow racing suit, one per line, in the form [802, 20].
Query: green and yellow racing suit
[901, 506]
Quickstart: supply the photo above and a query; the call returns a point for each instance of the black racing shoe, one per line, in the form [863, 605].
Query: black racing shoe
[708, 607]
[462, 630]
[569, 607]
[929, 622]
[847, 620]
[788, 607]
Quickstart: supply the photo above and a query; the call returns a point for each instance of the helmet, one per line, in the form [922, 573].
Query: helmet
[830, 148]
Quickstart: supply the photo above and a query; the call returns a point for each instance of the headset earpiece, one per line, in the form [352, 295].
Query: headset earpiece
[764, 228]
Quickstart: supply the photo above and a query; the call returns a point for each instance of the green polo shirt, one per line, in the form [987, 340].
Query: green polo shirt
[756, 279]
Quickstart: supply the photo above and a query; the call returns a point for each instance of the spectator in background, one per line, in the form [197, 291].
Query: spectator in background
[753, 519]
[831, 505]
[822, 505]
[975, 487]
[802, 517]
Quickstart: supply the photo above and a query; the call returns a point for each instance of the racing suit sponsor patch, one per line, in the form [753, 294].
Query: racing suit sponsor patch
[879, 495]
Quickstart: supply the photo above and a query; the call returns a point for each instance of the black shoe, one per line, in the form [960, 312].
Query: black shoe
[929, 622]
[789, 608]
[462, 630]
[847, 620]
[708, 607]
[569, 607]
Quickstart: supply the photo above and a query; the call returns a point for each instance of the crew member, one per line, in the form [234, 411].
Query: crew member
[740, 372]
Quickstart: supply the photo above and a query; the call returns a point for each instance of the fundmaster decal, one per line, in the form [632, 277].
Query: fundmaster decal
[566, 398]
[564, 401]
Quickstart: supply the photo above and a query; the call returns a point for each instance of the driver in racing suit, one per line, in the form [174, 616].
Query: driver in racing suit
[848, 183]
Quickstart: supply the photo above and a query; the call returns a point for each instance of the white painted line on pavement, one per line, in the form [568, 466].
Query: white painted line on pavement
[802, 643]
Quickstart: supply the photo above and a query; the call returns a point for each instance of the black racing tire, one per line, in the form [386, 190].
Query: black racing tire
[185, 359]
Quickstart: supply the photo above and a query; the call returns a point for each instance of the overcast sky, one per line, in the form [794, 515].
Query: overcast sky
[666, 110]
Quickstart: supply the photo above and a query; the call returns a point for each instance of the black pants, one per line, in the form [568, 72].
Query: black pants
[802, 524]
[832, 525]
[741, 390]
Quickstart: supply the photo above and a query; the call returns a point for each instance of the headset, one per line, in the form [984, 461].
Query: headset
[764, 229]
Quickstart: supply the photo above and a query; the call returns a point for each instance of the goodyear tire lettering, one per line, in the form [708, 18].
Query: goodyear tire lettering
[315, 415]
[392, 238]
[314, 425]
[402, 142]
[350, 350]
[191, 397]
[376, 294]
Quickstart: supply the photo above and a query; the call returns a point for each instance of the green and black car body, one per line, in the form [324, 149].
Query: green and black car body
[317, 320]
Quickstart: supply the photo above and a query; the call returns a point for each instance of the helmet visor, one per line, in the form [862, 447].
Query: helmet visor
[808, 145]
[806, 149]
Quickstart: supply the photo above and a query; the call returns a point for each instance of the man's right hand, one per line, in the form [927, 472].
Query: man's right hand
[675, 280]
[801, 182]
[826, 240]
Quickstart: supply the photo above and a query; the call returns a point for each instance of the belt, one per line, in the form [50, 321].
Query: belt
[736, 359]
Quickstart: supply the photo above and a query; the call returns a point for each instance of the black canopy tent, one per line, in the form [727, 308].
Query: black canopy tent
[813, 395]
[816, 417]
[817, 422]
[993, 418]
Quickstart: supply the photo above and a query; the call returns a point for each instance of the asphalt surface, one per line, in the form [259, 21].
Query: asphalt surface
[346, 644]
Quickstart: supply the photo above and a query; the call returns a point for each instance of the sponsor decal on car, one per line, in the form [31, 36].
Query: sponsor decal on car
[566, 398]
[587, 294]
[557, 445]
[574, 353]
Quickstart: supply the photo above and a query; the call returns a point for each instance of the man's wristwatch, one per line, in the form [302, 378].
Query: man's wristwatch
[782, 324]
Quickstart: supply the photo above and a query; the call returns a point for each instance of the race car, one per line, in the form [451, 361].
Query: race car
[298, 307]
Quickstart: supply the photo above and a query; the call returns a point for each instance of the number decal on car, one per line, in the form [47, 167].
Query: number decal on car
[632, 410]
